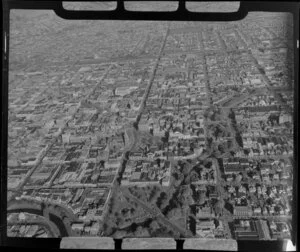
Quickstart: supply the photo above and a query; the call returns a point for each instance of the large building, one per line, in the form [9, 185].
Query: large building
[234, 165]
[245, 230]
[242, 211]
[263, 229]
[252, 230]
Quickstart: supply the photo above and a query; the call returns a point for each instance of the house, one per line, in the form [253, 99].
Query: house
[78, 226]
[257, 211]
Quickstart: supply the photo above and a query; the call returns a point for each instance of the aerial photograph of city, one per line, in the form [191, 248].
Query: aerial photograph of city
[178, 129]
